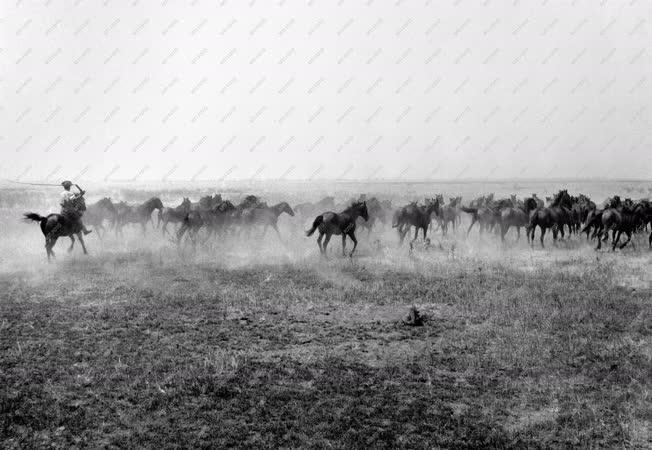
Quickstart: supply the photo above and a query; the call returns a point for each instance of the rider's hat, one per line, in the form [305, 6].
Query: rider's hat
[66, 184]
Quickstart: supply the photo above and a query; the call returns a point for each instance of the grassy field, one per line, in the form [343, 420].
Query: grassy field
[140, 346]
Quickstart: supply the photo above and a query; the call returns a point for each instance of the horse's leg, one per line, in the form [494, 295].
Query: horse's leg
[81, 241]
[278, 233]
[47, 247]
[503, 231]
[543, 232]
[53, 240]
[321, 236]
[416, 235]
[470, 226]
[425, 231]
[343, 244]
[518, 233]
[355, 242]
[629, 238]
[326, 239]
[614, 242]
[72, 243]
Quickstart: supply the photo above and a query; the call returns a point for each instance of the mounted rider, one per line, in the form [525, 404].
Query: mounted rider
[73, 204]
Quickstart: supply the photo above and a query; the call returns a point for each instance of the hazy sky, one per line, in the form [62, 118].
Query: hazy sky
[351, 89]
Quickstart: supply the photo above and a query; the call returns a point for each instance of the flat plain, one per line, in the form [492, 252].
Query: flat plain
[260, 343]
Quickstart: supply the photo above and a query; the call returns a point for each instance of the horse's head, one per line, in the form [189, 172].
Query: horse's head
[361, 208]
[225, 206]
[562, 198]
[186, 203]
[286, 208]
[106, 203]
[432, 204]
[156, 203]
[530, 204]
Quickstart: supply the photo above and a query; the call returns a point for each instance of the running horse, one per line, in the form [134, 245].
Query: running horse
[517, 216]
[555, 217]
[58, 225]
[175, 215]
[98, 212]
[330, 223]
[417, 216]
[266, 216]
[141, 214]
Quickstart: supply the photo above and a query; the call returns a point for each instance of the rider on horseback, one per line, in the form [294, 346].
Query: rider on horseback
[73, 205]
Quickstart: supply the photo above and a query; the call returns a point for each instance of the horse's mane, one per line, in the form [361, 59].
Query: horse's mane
[561, 198]
[530, 203]
[225, 205]
[614, 202]
[354, 205]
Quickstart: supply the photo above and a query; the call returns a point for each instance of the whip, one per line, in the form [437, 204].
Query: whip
[31, 184]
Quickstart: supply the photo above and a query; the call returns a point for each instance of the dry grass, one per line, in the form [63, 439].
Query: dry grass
[278, 349]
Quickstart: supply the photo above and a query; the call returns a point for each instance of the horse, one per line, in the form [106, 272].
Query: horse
[206, 203]
[555, 217]
[141, 214]
[624, 219]
[330, 223]
[175, 215]
[486, 216]
[416, 216]
[376, 214]
[267, 216]
[518, 217]
[211, 219]
[57, 225]
[449, 213]
[96, 213]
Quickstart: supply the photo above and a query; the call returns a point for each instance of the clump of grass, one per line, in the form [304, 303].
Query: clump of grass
[414, 318]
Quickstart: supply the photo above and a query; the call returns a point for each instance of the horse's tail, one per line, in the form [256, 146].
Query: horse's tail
[318, 221]
[35, 217]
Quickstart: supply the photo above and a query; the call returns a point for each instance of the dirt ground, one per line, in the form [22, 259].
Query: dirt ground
[264, 344]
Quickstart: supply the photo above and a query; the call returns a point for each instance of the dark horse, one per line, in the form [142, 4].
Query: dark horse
[555, 217]
[626, 218]
[56, 225]
[141, 214]
[416, 216]
[330, 223]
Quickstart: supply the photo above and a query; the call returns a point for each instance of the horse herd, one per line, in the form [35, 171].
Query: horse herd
[212, 216]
